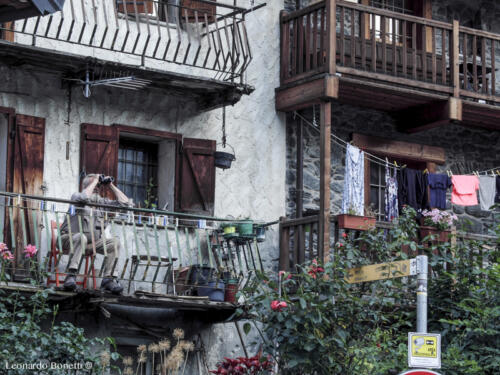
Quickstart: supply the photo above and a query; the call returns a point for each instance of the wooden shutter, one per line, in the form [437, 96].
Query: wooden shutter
[197, 177]
[143, 6]
[188, 8]
[99, 150]
[27, 175]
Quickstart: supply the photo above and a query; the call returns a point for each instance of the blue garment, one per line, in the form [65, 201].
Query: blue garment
[391, 194]
[354, 181]
[438, 184]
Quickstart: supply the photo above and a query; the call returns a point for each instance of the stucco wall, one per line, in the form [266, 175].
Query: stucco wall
[253, 187]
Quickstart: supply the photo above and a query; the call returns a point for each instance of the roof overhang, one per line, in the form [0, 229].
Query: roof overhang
[11, 10]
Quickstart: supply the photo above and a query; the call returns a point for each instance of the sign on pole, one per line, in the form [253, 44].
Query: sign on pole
[419, 372]
[424, 350]
[372, 272]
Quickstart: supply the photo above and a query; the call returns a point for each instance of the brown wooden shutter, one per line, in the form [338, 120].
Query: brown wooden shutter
[197, 177]
[27, 174]
[188, 8]
[99, 150]
[143, 6]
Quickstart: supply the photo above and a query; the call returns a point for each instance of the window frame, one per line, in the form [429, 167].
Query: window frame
[396, 150]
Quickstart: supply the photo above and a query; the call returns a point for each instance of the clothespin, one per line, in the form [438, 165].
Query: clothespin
[176, 222]
[129, 217]
[139, 219]
[150, 220]
[72, 210]
[448, 172]
[426, 171]
[492, 174]
[396, 163]
[165, 221]
[91, 211]
[53, 207]
[42, 205]
[202, 224]
[106, 215]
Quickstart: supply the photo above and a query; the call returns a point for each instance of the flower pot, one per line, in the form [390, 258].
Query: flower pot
[223, 160]
[229, 230]
[231, 290]
[201, 275]
[439, 235]
[214, 290]
[245, 229]
[355, 222]
[260, 233]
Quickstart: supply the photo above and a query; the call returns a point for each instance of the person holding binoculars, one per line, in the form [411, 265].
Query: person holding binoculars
[91, 229]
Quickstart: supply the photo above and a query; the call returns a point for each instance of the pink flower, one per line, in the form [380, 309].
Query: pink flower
[7, 255]
[3, 247]
[278, 305]
[344, 235]
[281, 273]
[30, 251]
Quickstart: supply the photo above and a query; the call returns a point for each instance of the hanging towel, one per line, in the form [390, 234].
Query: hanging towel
[391, 194]
[354, 181]
[487, 191]
[497, 197]
[438, 184]
[412, 189]
[464, 190]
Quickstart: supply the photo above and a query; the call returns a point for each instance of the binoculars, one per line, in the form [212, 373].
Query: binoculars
[105, 180]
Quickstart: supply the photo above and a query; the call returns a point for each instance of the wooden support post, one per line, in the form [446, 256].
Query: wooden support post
[331, 24]
[325, 166]
[284, 262]
[299, 186]
[454, 59]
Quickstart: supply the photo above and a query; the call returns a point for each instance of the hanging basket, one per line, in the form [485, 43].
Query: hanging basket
[223, 160]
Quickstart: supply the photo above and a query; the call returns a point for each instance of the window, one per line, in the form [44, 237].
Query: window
[129, 6]
[153, 166]
[137, 171]
[412, 155]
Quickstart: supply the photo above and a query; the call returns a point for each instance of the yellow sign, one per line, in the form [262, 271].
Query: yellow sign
[424, 346]
[400, 268]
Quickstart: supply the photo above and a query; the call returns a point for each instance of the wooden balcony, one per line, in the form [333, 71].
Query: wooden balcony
[430, 72]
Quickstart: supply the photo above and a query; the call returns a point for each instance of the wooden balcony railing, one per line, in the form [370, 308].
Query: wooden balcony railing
[336, 36]
[299, 242]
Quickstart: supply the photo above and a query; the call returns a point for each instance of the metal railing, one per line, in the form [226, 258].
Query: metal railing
[378, 44]
[204, 34]
[160, 250]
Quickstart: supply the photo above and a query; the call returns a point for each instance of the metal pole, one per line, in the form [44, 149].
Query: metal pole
[422, 266]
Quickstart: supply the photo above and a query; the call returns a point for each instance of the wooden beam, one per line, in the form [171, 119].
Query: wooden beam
[454, 59]
[331, 29]
[429, 116]
[324, 183]
[304, 95]
[398, 149]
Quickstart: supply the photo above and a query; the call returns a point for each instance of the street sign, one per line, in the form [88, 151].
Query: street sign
[419, 372]
[424, 350]
[400, 268]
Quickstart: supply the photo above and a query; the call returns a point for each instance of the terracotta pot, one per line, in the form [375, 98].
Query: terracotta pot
[439, 235]
[231, 290]
[355, 222]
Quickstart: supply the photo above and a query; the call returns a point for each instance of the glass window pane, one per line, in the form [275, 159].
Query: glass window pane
[140, 174]
[129, 172]
[130, 155]
[374, 197]
[374, 172]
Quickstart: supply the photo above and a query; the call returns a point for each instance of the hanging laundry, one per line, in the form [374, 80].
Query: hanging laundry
[412, 189]
[438, 184]
[391, 193]
[497, 197]
[354, 182]
[464, 190]
[486, 191]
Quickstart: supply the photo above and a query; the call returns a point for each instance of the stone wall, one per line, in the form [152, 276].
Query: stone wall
[466, 150]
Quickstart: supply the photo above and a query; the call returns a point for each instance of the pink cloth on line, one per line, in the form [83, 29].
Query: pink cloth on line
[464, 190]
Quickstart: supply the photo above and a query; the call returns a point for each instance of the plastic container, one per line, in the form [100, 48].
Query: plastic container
[231, 290]
[214, 291]
[245, 228]
[260, 233]
[201, 275]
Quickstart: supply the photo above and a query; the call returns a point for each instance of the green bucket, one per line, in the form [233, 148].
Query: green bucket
[245, 228]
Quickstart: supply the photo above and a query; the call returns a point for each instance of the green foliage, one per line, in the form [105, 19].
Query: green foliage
[331, 327]
[29, 334]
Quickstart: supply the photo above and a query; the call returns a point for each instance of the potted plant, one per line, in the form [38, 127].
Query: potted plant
[352, 220]
[437, 223]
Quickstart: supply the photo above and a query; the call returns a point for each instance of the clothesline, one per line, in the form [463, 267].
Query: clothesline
[375, 159]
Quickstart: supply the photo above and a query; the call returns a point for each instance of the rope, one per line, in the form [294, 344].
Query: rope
[374, 159]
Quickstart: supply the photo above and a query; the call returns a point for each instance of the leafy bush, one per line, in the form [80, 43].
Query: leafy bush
[314, 322]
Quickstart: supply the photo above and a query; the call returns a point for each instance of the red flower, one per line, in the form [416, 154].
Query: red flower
[278, 305]
[344, 235]
[340, 244]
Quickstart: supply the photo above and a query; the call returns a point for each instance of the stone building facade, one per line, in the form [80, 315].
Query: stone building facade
[466, 149]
